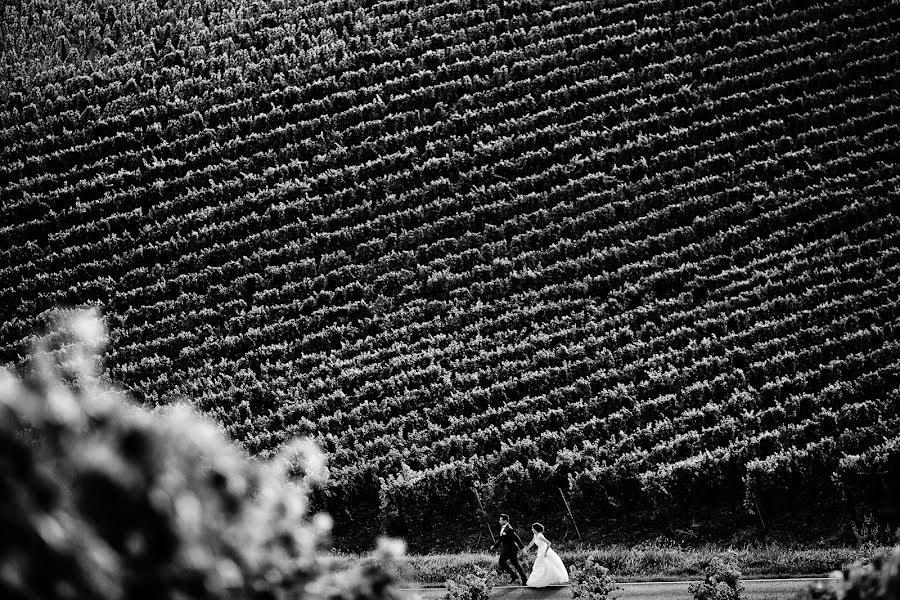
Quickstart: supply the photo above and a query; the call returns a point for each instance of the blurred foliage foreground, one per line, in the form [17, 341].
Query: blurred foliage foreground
[100, 498]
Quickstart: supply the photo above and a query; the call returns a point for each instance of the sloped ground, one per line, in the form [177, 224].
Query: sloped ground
[643, 252]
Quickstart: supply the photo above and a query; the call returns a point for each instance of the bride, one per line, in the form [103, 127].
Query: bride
[548, 567]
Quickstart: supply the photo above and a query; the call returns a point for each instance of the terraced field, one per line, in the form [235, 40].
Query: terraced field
[645, 252]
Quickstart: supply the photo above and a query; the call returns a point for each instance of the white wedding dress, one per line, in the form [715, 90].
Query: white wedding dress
[549, 569]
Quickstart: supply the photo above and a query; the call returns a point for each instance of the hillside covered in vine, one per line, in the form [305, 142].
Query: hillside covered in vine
[644, 253]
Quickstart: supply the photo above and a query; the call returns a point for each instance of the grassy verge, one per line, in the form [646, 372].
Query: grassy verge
[645, 562]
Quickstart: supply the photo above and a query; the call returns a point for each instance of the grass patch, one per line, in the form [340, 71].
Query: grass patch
[645, 562]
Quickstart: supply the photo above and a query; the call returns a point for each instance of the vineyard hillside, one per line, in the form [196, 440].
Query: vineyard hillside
[640, 254]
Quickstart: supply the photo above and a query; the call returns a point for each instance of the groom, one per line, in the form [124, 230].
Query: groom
[510, 544]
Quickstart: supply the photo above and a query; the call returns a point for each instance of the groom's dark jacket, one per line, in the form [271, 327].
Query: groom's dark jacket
[509, 540]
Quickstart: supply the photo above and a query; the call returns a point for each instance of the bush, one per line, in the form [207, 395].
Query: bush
[592, 581]
[722, 581]
[879, 579]
[102, 499]
[476, 585]
[867, 531]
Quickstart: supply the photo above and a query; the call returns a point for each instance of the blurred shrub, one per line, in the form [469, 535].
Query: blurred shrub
[592, 581]
[371, 580]
[721, 581]
[878, 579]
[102, 499]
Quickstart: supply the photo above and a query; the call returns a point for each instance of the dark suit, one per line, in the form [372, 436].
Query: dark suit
[510, 543]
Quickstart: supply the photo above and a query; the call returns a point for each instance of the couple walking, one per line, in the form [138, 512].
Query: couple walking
[548, 568]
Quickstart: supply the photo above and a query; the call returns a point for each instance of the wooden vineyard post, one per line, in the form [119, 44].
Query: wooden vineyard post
[571, 516]
[484, 516]
[759, 513]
